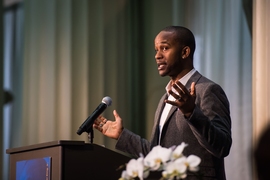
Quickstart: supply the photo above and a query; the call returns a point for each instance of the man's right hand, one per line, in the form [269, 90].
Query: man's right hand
[109, 128]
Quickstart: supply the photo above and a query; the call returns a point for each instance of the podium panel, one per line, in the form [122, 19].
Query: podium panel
[65, 160]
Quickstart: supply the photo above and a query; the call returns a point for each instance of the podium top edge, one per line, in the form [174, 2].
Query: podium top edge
[45, 145]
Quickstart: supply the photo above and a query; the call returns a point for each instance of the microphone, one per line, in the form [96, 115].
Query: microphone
[88, 123]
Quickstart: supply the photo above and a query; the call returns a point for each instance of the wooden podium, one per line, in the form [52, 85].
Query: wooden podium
[68, 160]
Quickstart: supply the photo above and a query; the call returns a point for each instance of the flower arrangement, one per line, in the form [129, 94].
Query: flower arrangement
[171, 161]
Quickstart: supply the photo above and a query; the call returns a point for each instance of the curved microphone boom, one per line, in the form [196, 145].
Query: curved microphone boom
[88, 123]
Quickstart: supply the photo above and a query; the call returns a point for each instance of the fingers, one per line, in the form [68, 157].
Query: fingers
[177, 97]
[118, 119]
[119, 125]
[192, 89]
[99, 123]
[116, 115]
[182, 92]
[181, 88]
[109, 128]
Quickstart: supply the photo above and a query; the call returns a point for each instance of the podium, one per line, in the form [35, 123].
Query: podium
[66, 160]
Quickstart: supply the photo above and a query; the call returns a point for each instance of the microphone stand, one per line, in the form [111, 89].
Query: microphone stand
[91, 135]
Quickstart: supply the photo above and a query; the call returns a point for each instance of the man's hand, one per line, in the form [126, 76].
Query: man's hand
[184, 99]
[109, 128]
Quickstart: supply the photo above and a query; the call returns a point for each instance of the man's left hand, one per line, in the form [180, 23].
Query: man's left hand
[184, 99]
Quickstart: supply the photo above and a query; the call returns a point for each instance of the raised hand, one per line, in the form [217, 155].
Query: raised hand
[109, 128]
[184, 99]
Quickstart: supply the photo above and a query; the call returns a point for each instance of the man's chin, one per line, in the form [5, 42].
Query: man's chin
[162, 74]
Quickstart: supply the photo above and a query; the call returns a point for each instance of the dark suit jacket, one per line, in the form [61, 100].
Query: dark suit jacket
[207, 131]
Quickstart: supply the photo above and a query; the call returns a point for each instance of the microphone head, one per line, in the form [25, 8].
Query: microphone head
[107, 100]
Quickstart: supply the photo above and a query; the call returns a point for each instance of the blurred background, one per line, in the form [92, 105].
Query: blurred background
[61, 57]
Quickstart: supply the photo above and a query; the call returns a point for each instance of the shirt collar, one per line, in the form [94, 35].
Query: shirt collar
[183, 80]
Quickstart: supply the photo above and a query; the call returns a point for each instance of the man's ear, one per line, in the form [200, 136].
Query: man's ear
[185, 52]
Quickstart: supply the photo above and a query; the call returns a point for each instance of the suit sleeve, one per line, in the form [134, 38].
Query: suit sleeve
[132, 143]
[211, 122]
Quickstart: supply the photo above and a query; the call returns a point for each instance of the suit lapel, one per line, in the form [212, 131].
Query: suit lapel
[155, 131]
[160, 108]
[155, 134]
[194, 78]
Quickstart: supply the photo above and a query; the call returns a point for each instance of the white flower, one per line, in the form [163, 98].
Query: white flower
[157, 157]
[176, 169]
[193, 163]
[125, 176]
[135, 168]
[171, 160]
[177, 153]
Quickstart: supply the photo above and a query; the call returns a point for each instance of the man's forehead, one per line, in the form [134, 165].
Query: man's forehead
[165, 37]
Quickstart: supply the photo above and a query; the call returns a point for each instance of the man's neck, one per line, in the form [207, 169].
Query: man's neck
[181, 74]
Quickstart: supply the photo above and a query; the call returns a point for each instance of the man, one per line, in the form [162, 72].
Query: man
[194, 109]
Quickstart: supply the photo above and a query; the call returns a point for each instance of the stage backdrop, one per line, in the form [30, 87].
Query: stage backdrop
[77, 52]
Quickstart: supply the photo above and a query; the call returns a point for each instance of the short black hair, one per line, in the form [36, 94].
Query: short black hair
[184, 36]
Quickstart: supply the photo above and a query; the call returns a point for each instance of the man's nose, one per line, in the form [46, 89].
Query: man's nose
[158, 55]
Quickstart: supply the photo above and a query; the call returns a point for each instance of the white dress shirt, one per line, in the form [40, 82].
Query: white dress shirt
[167, 107]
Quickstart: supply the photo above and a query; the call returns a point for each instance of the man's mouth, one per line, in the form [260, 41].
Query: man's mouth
[161, 66]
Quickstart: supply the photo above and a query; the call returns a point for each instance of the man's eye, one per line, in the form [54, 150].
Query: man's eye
[161, 49]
